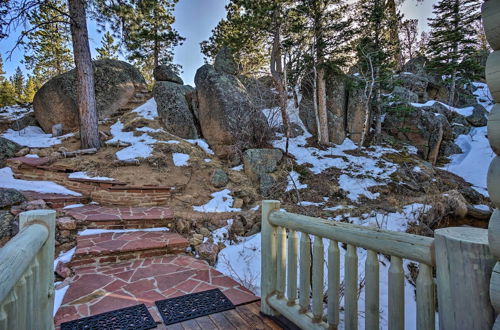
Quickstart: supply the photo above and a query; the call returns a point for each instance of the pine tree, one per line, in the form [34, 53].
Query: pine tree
[145, 27]
[108, 47]
[48, 47]
[453, 42]
[29, 90]
[376, 57]
[2, 73]
[7, 94]
[237, 31]
[17, 81]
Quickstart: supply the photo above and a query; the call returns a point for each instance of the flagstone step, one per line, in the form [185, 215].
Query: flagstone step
[110, 217]
[112, 247]
[103, 288]
[55, 201]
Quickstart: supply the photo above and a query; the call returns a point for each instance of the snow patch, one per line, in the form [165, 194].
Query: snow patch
[84, 175]
[139, 145]
[202, 144]
[180, 159]
[294, 182]
[14, 112]
[34, 137]
[7, 180]
[148, 110]
[221, 202]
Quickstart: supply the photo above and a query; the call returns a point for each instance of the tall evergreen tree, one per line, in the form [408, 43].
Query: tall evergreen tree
[7, 94]
[29, 90]
[238, 32]
[17, 81]
[108, 47]
[453, 42]
[2, 72]
[49, 52]
[376, 58]
[145, 27]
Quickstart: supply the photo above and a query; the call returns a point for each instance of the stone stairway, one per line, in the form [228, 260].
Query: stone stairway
[139, 98]
[113, 247]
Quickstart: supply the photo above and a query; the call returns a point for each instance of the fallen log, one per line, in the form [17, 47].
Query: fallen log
[69, 154]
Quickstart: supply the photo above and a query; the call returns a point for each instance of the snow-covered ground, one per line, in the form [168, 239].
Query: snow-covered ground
[7, 180]
[84, 175]
[221, 201]
[33, 137]
[180, 159]
[472, 165]
[14, 112]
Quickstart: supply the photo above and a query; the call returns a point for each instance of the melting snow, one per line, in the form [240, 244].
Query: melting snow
[202, 144]
[148, 110]
[84, 175]
[33, 137]
[14, 112]
[294, 182]
[237, 168]
[139, 145]
[180, 159]
[64, 257]
[221, 202]
[7, 180]
[58, 297]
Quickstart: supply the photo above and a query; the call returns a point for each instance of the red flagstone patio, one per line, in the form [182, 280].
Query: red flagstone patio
[102, 288]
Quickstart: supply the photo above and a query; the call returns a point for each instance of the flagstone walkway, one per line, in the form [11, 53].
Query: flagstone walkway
[103, 288]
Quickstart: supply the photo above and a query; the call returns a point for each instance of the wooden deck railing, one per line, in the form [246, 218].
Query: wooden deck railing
[305, 305]
[27, 274]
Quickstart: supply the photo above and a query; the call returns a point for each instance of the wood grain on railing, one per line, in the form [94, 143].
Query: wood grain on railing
[333, 284]
[305, 272]
[293, 248]
[26, 273]
[318, 276]
[372, 291]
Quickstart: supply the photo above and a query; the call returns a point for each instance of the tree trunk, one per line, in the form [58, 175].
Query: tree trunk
[85, 92]
[451, 98]
[322, 112]
[277, 72]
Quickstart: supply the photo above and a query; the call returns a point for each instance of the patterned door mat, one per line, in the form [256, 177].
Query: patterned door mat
[193, 305]
[135, 317]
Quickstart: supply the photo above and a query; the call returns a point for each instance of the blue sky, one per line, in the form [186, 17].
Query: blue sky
[195, 20]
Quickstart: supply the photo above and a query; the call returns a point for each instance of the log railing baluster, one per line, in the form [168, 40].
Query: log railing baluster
[281, 261]
[372, 291]
[351, 288]
[425, 299]
[333, 284]
[396, 294]
[305, 272]
[318, 276]
[292, 267]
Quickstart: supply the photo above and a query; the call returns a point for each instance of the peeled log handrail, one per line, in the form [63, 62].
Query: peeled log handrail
[403, 245]
[17, 256]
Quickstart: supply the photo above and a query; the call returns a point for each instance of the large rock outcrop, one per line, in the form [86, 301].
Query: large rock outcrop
[229, 121]
[8, 150]
[116, 82]
[174, 110]
[426, 129]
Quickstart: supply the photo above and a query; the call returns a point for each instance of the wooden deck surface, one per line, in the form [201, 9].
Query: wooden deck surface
[243, 317]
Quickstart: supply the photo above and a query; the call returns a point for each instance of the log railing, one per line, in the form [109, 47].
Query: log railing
[27, 275]
[288, 260]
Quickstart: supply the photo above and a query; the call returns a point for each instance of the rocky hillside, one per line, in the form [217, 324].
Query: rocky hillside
[222, 149]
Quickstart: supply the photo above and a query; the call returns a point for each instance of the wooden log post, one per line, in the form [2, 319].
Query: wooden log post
[463, 268]
[490, 14]
[269, 259]
[45, 290]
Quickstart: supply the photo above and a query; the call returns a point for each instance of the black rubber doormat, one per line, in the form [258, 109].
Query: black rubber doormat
[135, 317]
[193, 305]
